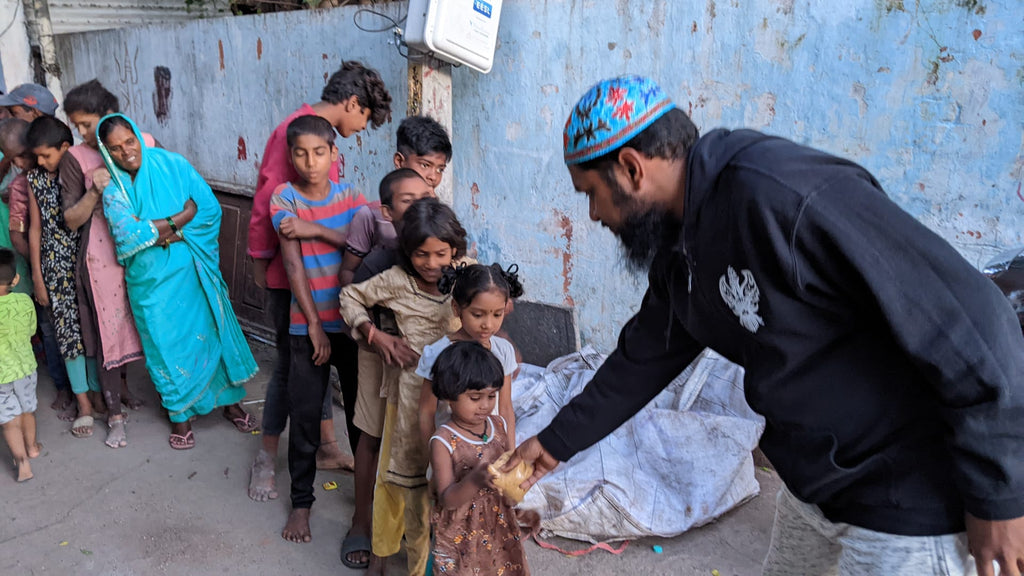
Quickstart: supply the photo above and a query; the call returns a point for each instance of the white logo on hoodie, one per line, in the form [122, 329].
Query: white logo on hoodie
[742, 297]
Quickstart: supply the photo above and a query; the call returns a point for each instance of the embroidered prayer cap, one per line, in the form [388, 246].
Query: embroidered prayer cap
[610, 114]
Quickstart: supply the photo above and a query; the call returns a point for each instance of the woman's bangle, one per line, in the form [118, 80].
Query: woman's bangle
[174, 227]
[369, 337]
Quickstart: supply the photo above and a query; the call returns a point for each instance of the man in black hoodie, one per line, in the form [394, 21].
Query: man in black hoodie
[888, 369]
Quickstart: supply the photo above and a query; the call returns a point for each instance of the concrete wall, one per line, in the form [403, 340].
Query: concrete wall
[231, 80]
[15, 52]
[927, 94]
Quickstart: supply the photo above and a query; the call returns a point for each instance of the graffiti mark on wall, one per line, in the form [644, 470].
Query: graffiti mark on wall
[127, 73]
[162, 95]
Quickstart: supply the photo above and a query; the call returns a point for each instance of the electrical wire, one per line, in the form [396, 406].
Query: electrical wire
[394, 23]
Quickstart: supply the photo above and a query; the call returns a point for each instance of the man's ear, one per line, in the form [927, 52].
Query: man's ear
[399, 158]
[385, 211]
[64, 147]
[17, 278]
[352, 104]
[633, 164]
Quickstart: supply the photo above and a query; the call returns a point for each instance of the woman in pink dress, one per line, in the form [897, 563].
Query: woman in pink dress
[108, 328]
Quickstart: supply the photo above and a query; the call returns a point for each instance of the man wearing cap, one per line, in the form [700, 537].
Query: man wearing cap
[888, 369]
[29, 101]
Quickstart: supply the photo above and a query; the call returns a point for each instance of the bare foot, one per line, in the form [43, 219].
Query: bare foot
[297, 528]
[330, 457]
[116, 435]
[34, 451]
[24, 471]
[63, 400]
[69, 413]
[127, 400]
[99, 405]
[377, 565]
[262, 484]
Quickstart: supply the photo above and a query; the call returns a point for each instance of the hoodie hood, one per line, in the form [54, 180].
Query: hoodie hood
[708, 158]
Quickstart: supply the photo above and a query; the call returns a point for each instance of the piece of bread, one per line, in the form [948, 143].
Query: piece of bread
[508, 483]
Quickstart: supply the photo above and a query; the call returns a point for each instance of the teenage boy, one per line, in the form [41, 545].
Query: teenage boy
[316, 333]
[353, 96]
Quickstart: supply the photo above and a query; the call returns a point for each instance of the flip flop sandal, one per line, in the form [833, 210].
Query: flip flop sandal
[82, 422]
[355, 544]
[244, 424]
[180, 442]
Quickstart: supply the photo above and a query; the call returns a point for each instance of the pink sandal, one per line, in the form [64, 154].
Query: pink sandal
[182, 442]
[243, 424]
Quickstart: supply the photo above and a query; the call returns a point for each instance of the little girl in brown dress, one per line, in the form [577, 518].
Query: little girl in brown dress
[475, 527]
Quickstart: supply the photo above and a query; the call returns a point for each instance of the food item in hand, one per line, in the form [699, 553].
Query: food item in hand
[508, 483]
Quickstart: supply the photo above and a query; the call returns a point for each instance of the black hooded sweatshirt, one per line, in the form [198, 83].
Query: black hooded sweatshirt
[888, 369]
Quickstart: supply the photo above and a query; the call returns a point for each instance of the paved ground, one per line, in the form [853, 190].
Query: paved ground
[147, 509]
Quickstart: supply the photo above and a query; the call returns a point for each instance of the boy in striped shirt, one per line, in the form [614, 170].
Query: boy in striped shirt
[312, 215]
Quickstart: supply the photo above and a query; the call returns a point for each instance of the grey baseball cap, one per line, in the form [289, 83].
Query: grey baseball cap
[32, 96]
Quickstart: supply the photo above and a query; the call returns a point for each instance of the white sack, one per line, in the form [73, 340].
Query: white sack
[681, 462]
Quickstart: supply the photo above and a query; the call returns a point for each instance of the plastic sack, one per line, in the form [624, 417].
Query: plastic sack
[1007, 271]
[681, 462]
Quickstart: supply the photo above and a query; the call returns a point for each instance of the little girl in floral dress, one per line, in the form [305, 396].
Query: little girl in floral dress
[475, 527]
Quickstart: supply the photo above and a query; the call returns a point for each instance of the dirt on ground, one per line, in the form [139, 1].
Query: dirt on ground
[149, 510]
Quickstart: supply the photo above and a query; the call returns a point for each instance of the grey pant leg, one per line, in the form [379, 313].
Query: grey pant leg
[803, 541]
[870, 553]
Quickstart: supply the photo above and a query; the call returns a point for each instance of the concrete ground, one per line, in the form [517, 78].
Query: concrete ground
[147, 509]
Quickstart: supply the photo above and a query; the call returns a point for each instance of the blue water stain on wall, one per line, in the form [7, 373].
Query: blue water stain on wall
[928, 95]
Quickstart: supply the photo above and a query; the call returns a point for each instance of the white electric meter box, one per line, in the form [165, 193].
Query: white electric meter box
[457, 31]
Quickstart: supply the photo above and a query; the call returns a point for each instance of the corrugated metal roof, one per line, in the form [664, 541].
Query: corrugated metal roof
[68, 16]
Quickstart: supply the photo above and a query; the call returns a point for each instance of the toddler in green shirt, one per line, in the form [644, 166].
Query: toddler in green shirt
[17, 368]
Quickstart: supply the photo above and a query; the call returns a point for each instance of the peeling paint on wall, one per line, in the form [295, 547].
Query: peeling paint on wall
[926, 95]
[225, 101]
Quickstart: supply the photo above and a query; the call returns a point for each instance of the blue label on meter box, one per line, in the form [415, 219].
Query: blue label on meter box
[482, 7]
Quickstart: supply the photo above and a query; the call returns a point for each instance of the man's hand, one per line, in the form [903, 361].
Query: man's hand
[321, 345]
[999, 541]
[532, 452]
[395, 351]
[100, 179]
[294, 228]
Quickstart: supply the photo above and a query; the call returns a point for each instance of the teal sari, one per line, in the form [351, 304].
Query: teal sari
[196, 353]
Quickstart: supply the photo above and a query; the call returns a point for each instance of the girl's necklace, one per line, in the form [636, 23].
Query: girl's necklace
[480, 436]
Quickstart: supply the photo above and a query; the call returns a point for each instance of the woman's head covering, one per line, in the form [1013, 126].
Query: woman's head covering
[118, 175]
[610, 114]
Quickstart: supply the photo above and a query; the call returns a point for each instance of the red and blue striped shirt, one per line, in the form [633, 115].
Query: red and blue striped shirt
[320, 260]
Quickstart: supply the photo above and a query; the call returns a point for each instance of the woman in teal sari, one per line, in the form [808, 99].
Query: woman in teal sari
[165, 222]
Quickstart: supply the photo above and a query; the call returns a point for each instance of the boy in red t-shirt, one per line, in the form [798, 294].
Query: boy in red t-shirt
[354, 96]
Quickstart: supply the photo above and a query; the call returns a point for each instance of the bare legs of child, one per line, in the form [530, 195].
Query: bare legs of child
[330, 456]
[20, 435]
[356, 547]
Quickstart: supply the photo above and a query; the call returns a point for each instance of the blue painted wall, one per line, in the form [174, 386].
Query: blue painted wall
[927, 94]
[234, 79]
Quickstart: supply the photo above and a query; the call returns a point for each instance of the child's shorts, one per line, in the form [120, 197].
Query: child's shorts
[17, 398]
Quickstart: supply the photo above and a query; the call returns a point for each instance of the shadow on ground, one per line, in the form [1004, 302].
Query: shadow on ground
[147, 509]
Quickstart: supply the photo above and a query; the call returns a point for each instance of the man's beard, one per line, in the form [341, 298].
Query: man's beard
[644, 230]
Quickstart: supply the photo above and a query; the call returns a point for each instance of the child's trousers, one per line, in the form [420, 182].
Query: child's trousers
[307, 384]
[805, 542]
[398, 510]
